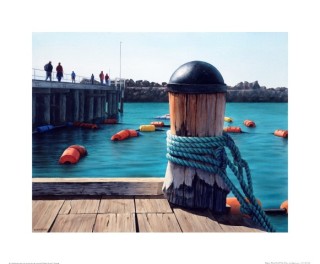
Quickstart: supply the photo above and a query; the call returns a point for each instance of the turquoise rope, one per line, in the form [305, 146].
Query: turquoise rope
[194, 152]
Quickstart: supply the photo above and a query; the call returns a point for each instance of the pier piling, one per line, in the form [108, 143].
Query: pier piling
[197, 97]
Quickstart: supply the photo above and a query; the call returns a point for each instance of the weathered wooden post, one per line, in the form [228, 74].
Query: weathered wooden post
[62, 107]
[82, 100]
[97, 104]
[47, 108]
[89, 110]
[76, 105]
[34, 109]
[197, 98]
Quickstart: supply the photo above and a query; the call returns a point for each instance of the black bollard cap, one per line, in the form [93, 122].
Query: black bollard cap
[197, 77]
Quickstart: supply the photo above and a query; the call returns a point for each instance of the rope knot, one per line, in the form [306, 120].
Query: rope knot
[209, 154]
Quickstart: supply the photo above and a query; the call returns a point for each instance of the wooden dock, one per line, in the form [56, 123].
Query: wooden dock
[56, 103]
[138, 213]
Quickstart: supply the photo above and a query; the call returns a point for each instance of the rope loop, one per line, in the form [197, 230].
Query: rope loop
[209, 154]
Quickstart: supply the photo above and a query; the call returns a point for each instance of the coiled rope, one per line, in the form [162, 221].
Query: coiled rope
[209, 154]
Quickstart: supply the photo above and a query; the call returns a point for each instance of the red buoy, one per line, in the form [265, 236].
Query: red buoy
[82, 150]
[249, 123]
[124, 134]
[70, 155]
[157, 124]
[232, 129]
[110, 121]
[85, 125]
[281, 133]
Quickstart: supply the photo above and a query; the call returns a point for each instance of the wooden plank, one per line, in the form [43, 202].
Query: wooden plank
[193, 221]
[43, 214]
[159, 222]
[116, 205]
[88, 180]
[237, 223]
[97, 186]
[74, 223]
[80, 206]
[152, 205]
[124, 222]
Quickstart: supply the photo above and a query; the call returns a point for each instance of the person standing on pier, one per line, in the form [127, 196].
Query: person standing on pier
[101, 75]
[48, 68]
[92, 78]
[59, 70]
[73, 77]
[107, 79]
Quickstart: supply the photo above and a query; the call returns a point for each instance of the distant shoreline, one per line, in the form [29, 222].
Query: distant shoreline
[242, 92]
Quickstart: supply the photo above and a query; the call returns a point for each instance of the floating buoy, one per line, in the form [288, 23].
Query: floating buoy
[235, 205]
[157, 124]
[77, 123]
[72, 154]
[110, 121]
[284, 205]
[133, 133]
[82, 150]
[124, 134]
[232, 129]
[249, 123]
[228, 119]
[147, 128]
[166, 116]
[281, 133]
[42, 129]
[85, 125]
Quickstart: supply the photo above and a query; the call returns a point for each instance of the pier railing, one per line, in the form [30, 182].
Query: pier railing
[38, 74]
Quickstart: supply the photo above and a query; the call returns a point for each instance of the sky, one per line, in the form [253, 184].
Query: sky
[154, 56]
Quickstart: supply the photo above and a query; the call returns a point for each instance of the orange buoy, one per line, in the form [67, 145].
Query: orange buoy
[76, 123]
[110, 121]
[133, 133]
[232, 129]
[249, 123]
[281, 133]
[157, 124]
[121, 135]
[82, 150]
[70, 155]
[284, 205]
[235, 205]
[86, 125]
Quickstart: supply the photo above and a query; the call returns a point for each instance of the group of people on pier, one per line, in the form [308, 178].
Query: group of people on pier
[104, 78]
[48, 68]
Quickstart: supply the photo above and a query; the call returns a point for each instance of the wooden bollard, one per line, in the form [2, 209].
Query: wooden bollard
[197, 98]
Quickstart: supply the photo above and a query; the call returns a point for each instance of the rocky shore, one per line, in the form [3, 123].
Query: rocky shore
[145, 91]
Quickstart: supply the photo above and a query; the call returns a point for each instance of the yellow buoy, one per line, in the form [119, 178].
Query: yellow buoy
[228, 119]
[147, 128]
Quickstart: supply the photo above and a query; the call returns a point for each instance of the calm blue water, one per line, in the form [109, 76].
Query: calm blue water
[144, 156]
